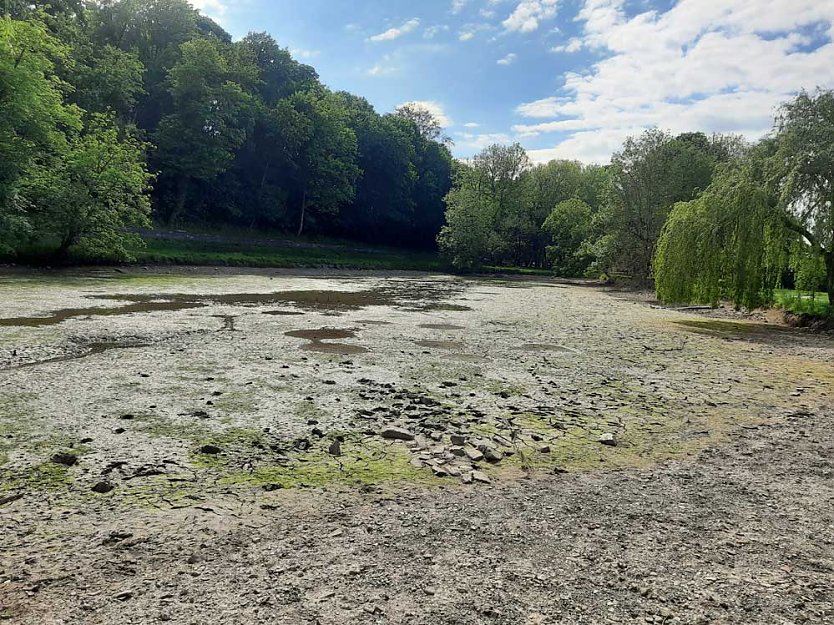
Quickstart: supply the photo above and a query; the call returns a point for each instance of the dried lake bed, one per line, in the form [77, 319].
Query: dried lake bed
[322, 447]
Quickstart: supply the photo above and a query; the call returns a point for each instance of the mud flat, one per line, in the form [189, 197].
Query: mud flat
[281, 447]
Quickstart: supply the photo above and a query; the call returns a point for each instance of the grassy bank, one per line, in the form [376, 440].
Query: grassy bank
[252, 254]
[240, 249]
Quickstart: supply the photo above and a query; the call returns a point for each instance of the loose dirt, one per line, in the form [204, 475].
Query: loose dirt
[195, 446]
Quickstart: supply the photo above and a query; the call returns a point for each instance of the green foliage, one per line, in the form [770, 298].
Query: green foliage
[64, 177]
[772, 211]
[801, 169]
[728, 243]
[487, 197]
[87, 194]
[503, 211]
[569, 226]
[649, 176]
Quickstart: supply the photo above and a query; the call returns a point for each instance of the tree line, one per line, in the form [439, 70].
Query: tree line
[703, 217]
[119, 111]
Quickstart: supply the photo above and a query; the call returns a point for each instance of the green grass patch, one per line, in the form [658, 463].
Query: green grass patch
[248, 254]
[803, 303]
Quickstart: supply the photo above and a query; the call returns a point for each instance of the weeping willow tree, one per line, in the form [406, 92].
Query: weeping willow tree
[729, 243]
[771, 211]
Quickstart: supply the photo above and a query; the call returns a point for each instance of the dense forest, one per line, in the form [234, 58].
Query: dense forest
[120, 113]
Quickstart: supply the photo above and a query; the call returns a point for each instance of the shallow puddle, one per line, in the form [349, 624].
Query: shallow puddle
[322, 334]
[321, 340]
[441, 326]
[59, 316]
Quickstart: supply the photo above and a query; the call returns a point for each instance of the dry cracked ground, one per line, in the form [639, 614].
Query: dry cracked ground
[201, 446]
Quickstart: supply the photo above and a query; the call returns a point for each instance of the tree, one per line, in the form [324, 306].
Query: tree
[729, 242]
[87, 194]
[568, 227]
[321, 150]
[213, 116]
[774, 203]
[486, 196]
[649, 176]
[427, 123]
[34, 117]
[802, 171]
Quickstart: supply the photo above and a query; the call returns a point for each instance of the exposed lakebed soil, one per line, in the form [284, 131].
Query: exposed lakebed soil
[280, 447]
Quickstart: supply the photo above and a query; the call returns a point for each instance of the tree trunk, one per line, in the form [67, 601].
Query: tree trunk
[829, 278]
[303, 211]
[179, 206]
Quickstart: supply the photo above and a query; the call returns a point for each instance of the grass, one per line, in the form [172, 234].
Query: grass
[814, 304]
[248, 254]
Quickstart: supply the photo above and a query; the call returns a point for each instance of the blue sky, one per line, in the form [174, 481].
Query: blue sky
[566, 78]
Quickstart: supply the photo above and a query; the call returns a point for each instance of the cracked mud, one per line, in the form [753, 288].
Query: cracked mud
[289, 447]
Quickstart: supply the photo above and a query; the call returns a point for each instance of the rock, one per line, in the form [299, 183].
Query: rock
[460, 452]
[458, 440]
[335, 448]
[102, 488]
[474, 455]
[492, 455]
[211, 450]
[467, 478]
[65, 458]
[393, 433]
[479, 476]
[608, 439]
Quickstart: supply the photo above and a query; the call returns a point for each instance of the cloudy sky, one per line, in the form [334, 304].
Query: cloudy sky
[566, 78]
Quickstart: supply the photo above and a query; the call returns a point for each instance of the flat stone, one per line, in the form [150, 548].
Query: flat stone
[492, 455]
[459, 440]
[479, 476]
[393, 433]
[474, 455]
[608, 439]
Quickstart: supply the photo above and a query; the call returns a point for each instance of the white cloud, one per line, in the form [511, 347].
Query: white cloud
[475, 142]
[528, 14]
[468, 32]
[301, 53]
[383, 68]
[574, 44]
[433, 107]
[710, 66]
[215, 9]
[458, 5]
[509, 59]
[396, 32]
[471, 125]
[432, 31]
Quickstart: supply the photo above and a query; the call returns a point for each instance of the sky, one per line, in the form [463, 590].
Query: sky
[565, 78]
